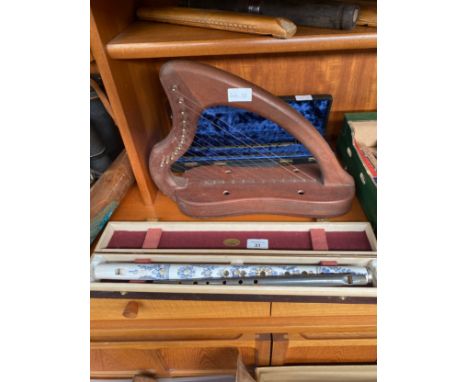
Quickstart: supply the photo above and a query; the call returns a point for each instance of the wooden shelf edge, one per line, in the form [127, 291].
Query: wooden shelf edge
[155, 40]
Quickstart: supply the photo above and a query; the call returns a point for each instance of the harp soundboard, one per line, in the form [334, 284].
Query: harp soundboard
[321, 189]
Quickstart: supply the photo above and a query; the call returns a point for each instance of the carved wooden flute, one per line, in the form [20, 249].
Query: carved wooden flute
[278, 27]
[167, 271]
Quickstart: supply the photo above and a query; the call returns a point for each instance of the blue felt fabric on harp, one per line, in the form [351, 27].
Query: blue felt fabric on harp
[237, 137]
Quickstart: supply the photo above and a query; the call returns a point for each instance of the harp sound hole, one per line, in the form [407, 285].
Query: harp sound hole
[296, 170]
[226, 192]
[300, 192]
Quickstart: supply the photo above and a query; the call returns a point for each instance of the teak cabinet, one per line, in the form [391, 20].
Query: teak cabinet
[171, 337]
[181, 338]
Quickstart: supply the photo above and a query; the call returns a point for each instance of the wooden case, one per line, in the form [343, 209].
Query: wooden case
[233, 256]
[187, 330]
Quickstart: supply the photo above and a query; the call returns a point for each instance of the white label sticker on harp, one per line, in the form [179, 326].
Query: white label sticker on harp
[303, 97]
[239, 95]
[257, 243]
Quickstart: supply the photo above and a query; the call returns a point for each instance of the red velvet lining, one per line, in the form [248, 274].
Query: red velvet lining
[127, 239]
[344, 241]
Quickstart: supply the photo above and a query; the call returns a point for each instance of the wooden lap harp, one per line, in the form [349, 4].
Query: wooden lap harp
[321, 189]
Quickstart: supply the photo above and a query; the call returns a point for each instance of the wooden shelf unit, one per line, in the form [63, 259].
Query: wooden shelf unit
[129, 54]
[156, 40]
[190, 337]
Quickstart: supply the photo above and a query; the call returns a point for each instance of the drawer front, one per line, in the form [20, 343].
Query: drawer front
[177, 358]
[297, 348]
[291, 309]
[123, 309]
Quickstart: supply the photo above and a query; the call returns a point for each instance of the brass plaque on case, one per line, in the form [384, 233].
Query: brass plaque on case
[231, 242]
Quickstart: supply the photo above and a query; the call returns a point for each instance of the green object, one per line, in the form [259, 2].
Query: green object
[100, 220]
[366, 186]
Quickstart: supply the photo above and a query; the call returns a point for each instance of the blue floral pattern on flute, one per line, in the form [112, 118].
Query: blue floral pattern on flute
[338, 269]
[186, 271]
[208, 270]
[156, 271]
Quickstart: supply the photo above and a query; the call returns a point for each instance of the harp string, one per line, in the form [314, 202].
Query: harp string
[209, 168]
[249, 168]
[254, 173]
[296, 172]
[252, 168]
[246, 164]
[249, 164]
[252, 163]
[261, 148]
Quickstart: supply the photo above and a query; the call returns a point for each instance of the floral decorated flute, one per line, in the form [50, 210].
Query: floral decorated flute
[175, 272]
